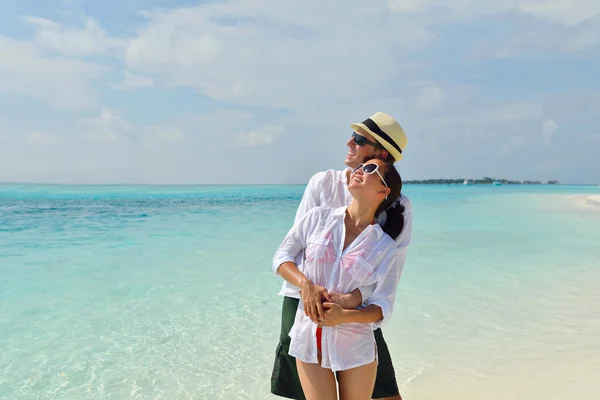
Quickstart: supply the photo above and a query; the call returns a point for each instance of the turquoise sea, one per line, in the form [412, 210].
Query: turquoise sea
[166, 292]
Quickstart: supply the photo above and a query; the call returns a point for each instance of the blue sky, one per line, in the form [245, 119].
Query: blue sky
[264, 91]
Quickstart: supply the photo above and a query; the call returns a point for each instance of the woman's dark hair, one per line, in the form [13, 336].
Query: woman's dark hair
[394, 221]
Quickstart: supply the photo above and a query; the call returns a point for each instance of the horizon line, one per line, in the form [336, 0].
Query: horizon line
[407, 182]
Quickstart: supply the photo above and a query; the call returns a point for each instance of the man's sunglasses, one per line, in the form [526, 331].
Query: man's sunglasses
[360, 140]
[370, 169]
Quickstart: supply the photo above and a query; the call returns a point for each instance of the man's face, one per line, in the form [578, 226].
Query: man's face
[357, 154]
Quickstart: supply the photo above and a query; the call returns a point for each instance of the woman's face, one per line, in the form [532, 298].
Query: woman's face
[369, 183]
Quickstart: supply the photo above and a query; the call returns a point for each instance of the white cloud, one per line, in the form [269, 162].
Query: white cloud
[549, 127]
[551, 39]
[133, 81]
[479, 112]
[565, 25]
[513, 143]
[168, 135]
[272, 53]
[518, 112]
[39, 137]
[566, 12]
[409, 6]
[431, 97]
[318, 70]
[63, 83]
[92, 39]
[263, 136]
[108, 126]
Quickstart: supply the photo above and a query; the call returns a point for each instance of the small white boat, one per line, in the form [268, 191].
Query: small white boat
[497, 183]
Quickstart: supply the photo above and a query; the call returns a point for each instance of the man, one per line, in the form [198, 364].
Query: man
[378, 136]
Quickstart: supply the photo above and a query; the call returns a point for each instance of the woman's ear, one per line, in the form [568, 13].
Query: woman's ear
[386, 191]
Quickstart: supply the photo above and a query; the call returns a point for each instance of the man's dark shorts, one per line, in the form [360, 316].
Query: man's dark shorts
[285, 381]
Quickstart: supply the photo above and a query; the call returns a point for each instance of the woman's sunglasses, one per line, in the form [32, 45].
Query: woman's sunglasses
[370, 169]
[360, 140]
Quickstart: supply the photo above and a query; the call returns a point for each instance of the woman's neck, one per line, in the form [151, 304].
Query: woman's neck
[360, 215]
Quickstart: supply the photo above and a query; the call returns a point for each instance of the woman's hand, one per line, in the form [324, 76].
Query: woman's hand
[349, 301]
[312, 300]
[334, 315]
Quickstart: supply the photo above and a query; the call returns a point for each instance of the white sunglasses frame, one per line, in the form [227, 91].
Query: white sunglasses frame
[362, 166]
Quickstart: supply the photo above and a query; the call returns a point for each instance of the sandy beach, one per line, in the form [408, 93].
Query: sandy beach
[593, 199]
[587, 200]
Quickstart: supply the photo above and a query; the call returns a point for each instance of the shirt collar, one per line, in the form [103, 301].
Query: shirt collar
[342, 176]
[341, 211]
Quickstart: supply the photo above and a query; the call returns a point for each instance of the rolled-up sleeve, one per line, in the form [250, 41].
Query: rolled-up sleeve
[402, 242]
[384, 290]
[293, 243]
[365, 293]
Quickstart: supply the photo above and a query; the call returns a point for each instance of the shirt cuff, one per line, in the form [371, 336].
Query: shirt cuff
[280, 259]
[365, 293]
[386, 310]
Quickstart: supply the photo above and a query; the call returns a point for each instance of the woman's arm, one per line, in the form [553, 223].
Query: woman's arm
[384, 293]
[336, 315]
[379, 306]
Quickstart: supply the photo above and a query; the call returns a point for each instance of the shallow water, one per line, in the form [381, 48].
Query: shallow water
[110, 292]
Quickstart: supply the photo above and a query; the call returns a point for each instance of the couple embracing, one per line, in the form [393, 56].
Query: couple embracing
[341, 263]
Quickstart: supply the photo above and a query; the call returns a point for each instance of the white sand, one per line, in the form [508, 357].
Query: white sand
[588, 200]
[595, 198]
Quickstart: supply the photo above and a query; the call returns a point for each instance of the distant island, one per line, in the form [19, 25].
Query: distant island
[484, 181]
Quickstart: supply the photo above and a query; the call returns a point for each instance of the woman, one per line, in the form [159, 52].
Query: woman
[343, 249]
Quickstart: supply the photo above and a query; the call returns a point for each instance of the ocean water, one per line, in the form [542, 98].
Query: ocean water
[166, 292]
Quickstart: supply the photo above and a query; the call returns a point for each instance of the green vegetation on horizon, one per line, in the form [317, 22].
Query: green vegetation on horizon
[486, 181]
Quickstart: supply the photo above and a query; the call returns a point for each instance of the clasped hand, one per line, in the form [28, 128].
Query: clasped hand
[322, 307]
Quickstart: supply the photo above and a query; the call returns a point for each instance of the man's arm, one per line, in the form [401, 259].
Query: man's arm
[311, 197]
[293, 243]
[284, 265]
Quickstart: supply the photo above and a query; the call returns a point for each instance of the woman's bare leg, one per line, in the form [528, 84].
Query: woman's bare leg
[317, 383]
[357, 383]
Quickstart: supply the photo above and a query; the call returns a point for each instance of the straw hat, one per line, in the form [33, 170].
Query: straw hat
[387, 131]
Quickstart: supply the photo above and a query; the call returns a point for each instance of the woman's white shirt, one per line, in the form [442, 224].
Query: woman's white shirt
[370, 260]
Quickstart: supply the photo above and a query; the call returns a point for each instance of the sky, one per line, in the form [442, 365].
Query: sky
[264, 91]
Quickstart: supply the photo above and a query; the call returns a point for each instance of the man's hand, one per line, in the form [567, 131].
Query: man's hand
[312, 300]
[348, 301]
[334, 314]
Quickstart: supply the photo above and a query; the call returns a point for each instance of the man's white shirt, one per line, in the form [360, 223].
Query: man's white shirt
[330, 188]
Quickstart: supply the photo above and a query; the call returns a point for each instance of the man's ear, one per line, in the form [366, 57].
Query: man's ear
[382, 155]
